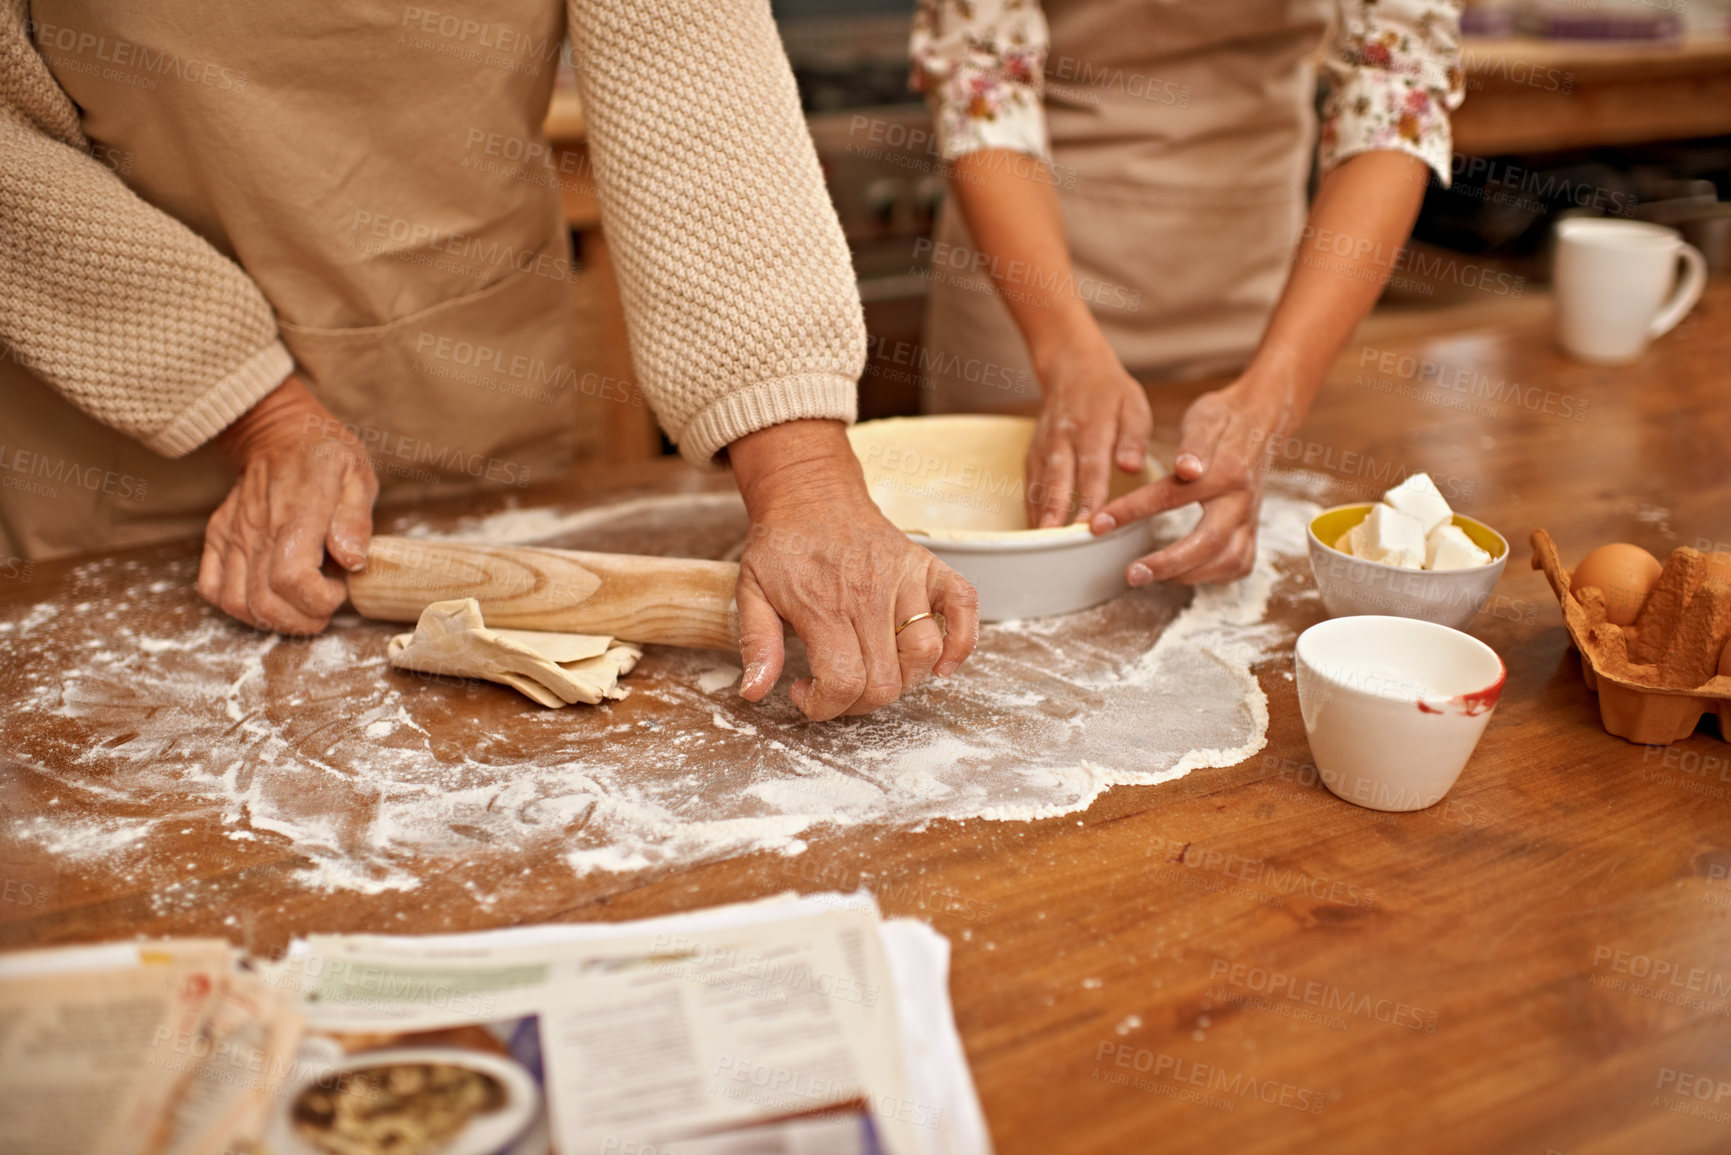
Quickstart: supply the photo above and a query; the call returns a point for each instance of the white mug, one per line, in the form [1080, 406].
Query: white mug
[1616, 286]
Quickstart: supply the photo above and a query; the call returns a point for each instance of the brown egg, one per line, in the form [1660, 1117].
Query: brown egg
[1623, 573]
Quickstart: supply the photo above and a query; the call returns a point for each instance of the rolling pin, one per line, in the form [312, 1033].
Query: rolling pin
[662, 600]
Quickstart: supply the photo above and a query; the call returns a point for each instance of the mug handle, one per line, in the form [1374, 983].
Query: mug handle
[1683, 298]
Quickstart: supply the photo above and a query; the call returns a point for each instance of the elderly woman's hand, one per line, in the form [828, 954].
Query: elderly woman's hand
[305, 491]
[821, 557]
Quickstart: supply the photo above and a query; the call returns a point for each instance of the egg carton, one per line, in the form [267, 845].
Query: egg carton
[1656, 677]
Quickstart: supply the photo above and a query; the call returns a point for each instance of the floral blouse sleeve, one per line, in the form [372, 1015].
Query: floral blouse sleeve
[1394, 73]
[980, 64]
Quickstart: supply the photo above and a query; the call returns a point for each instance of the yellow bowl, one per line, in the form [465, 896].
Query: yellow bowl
[1351, 585]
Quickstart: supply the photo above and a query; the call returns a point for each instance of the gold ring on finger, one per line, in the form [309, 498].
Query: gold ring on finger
[938, 618]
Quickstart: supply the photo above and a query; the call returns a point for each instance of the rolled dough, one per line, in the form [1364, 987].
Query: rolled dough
[960, 478]
[553, 669]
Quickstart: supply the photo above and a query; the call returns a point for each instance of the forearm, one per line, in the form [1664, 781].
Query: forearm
[121, 308]
[287, 413]
[1012, 211]
[1361, 217]
[796, 462]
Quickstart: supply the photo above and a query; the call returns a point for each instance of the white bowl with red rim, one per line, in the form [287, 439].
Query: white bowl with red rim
[1394, 707]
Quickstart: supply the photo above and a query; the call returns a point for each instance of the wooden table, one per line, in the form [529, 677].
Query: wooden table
[1476, 977]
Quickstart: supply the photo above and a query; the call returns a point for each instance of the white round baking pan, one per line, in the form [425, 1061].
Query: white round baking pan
[954, 484]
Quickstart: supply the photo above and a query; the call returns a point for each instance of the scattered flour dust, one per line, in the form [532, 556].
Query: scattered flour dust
[131, 697]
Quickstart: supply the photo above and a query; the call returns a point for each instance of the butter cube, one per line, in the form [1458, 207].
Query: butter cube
[1419, 498]
[1449, 547]
[1389, 536]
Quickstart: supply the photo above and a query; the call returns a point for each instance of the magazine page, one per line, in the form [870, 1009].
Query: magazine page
[235, 1067]
[666, 1038]
[85, 1059]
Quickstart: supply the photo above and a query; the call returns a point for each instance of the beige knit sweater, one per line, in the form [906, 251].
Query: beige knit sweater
[738, 291]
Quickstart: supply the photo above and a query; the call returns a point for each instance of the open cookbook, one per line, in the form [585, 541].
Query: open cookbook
[798, 1025]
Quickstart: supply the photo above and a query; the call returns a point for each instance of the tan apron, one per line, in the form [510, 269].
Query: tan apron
[364, 163]
[1181, 138]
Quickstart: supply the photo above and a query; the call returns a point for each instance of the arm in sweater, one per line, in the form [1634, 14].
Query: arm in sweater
[131, 315]
[747, 335]
[738, 289]
[736, 279]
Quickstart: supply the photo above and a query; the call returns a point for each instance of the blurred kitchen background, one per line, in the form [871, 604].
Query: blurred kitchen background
[1599, 107]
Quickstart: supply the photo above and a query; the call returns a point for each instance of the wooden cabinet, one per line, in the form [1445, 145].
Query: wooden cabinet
[1526, 95]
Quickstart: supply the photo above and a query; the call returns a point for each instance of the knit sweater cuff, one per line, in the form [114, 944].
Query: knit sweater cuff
[225, 401]
[822, 396]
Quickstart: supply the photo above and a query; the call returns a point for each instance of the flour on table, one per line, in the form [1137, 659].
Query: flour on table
[170, 714]
[719, 678]
[723, 722]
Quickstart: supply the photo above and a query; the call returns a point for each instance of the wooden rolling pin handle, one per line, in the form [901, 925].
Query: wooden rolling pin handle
[659, 600]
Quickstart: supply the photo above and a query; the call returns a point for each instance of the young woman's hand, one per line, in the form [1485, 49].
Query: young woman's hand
[305, 492]
[1222, 462]
[1095, 418]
